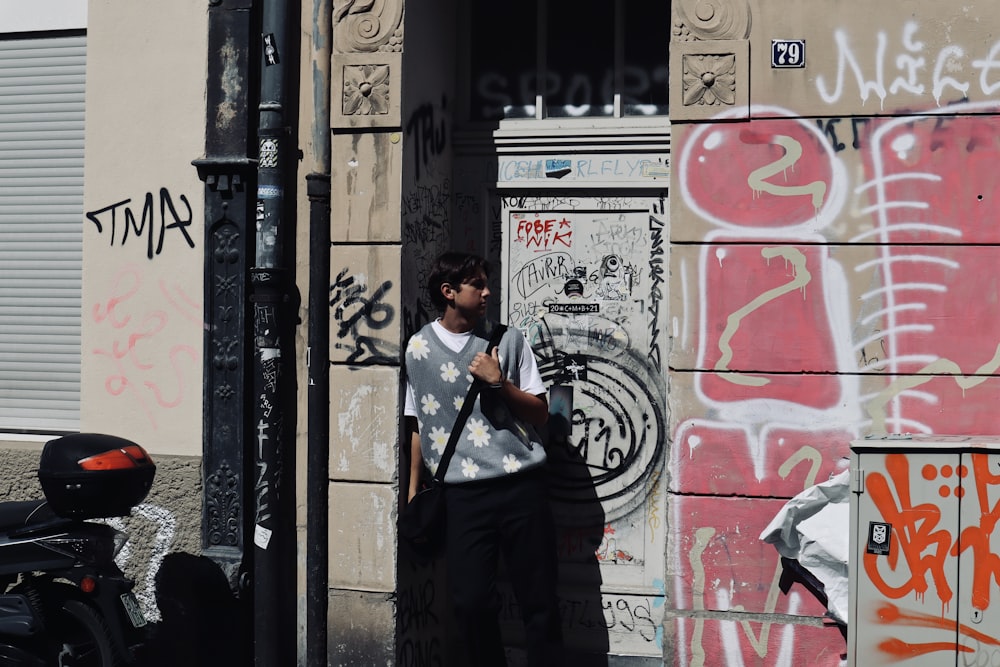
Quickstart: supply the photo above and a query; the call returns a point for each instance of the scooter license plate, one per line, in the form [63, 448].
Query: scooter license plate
[133, 610]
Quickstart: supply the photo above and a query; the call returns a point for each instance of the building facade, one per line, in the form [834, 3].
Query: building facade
[738, 235]
[101, 286]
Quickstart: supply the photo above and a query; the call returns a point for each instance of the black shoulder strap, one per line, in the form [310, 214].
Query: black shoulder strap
[467, 405]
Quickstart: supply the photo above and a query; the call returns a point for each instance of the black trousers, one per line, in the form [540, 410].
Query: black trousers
[508, 516]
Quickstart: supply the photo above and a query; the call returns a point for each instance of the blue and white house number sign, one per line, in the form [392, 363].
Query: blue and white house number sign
[788, 53]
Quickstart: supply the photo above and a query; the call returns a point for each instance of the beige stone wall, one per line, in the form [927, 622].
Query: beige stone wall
[868, 58]
[861, 58]
[365, 332]
[143, 236]
[141, 317]
[142, 327]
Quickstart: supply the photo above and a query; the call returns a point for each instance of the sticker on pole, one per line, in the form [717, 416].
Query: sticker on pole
[270, 50]
[879, 538]
[261, 536]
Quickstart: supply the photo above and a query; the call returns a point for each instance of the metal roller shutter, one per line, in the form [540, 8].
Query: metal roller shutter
[41, 212]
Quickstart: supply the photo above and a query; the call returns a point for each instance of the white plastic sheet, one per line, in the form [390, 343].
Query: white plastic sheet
[814, 529]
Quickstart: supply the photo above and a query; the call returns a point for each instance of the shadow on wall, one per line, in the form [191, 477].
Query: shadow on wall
[580, 521]
[579, 534]
[200, 616]
[425, 632]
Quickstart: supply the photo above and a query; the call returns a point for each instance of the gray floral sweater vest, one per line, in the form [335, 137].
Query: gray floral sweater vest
[493, 443]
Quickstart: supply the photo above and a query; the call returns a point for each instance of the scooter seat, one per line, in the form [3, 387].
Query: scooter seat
[25, 513]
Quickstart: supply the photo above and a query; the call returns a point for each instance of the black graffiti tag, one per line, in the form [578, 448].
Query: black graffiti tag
[353, 309]
[656, 274]
[147, 222]
[430, 134]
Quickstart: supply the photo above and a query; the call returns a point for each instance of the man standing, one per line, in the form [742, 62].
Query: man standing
[495, 488]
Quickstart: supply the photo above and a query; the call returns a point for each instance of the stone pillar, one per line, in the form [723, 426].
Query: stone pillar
[365, 330]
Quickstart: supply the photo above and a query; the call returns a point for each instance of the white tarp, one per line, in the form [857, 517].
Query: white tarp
[813, 528]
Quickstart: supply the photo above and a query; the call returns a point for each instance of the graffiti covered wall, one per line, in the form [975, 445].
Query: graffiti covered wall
[584, 279]
[833, 268]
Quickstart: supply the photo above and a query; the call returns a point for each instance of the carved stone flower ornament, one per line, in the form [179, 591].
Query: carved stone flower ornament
[710, 80]
[366, 89]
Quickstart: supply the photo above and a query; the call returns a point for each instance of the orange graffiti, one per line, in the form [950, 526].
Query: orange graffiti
[920, 540]
[890, 614]
[923, 546]
[608, 551]
[901, 650]
[977, 537]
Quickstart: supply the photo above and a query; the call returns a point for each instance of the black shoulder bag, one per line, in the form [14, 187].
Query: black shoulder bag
[421, 523]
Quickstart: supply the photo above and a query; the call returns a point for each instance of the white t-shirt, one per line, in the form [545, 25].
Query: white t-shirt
[531, 379]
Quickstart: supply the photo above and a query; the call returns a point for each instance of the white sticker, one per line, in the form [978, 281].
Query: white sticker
[261, 536]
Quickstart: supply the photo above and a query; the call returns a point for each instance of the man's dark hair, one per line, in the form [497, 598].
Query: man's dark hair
[453, 268]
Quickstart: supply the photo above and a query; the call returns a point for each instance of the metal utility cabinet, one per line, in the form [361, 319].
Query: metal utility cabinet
[924, 568]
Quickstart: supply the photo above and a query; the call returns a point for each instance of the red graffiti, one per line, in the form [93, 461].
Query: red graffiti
[789, 156]
[544, 234]
[747, 315]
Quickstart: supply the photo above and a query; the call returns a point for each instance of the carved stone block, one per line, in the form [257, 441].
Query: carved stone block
[367, 26]
[366, 90]
[695, 20]
[708, 78]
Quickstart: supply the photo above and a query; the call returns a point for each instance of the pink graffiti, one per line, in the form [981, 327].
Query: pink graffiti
[893, 277]
[929, 189]
[137, 350]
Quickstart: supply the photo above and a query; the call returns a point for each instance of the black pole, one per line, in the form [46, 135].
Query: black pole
[229, 176]
[271, 283]
[318, 446]
[318, 472]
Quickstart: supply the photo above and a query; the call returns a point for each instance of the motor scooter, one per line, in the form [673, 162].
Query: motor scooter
[64, 602]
